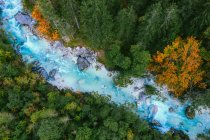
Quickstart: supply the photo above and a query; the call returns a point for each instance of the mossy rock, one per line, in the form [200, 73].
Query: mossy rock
[150, 90]
[190, 112]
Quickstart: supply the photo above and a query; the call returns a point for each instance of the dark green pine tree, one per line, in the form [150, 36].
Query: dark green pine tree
[96, 22]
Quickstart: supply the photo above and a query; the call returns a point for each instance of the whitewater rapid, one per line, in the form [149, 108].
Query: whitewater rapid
[150, 108]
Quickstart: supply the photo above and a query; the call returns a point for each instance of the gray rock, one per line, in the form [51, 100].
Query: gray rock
[1, 2]
[43, 72]
[82, 63]
[52, 73]
[24, 19]
[171, 109]
[83, 52]
[36, 63]
[58, 44]
[85, 57]
[90, 59]
[156, 123]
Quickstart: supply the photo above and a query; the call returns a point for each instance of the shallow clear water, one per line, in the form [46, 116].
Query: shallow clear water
[33, 48]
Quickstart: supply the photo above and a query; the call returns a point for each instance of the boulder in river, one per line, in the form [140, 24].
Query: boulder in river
[52, 73]
[1, 2]
[43, 72]
[24, 19]
[85, 57]
[171, 109]
[190, 112]
[136, 88]
[156, 123]
[82, 63]
[36, 63]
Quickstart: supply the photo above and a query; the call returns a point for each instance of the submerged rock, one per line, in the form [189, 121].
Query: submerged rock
[52, 73]
[17, 49]
[1, 2]
[189, 112]
[171, 109]
[136, 88]
[36, 63]
[43, 72]
[24, 19]
[156, 123]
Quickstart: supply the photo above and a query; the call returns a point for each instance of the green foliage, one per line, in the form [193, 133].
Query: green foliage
[118, 59]
[29, 4]
[150, 90]
[5, 118]
[50, 129]
[125, 26]
[42, 114]
[159, 26]
[134, 65]
[140, 60]
[84, 133]
[111, 124]
[203, 136]
[201, 99]
[96, 22]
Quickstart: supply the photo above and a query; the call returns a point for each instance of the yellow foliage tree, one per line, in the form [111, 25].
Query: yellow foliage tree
[43, 26]
[36, 14]
[55, 35]
[179, 66]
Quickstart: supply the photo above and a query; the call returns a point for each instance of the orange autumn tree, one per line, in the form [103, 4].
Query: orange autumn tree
[43, 26]
[179, 66]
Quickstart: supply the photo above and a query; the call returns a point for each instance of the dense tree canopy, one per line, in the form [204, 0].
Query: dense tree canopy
[96, 22]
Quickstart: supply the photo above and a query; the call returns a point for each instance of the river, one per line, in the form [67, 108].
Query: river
[151, 108]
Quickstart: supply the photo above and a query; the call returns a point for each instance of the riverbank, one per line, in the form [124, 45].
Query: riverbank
[151, 108]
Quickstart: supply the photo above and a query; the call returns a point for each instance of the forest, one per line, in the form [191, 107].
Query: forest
[169, 39]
